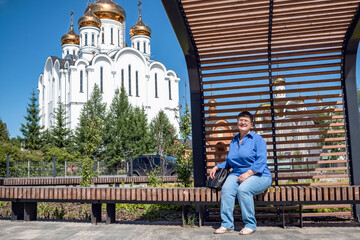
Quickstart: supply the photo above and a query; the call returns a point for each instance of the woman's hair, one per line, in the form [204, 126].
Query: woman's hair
[246, 114]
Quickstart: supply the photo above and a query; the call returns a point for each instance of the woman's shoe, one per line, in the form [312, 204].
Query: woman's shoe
[222, 230]
[246, 231]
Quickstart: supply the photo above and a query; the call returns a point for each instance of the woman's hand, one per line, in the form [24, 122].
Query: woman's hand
[245, 176]
[213, 171]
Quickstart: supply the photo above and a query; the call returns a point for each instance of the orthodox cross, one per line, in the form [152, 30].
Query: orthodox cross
[140, 8]
[72, 14]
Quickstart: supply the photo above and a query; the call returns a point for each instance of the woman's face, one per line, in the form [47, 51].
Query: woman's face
[244, 124]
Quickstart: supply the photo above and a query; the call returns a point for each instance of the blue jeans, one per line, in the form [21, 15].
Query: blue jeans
[245, 193]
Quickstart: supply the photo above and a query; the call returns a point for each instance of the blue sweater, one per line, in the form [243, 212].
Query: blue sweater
[251, 154]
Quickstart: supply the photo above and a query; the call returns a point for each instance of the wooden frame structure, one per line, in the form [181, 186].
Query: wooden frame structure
[292, 64]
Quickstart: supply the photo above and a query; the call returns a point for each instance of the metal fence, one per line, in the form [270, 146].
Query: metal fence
[54, 168]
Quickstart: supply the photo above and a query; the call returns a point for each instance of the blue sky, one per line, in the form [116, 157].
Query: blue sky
[31, 31]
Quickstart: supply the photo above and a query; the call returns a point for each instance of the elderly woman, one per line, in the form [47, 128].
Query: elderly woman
[250, 176]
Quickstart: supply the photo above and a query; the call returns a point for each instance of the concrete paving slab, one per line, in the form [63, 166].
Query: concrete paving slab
[63, 230]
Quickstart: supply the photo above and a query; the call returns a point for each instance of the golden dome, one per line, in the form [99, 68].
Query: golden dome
[89, 19]
[212, 101]
[71, 36]
[279, 80]
[140, 28]
[108, 9]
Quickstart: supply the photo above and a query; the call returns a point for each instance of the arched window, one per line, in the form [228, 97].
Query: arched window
[138, 46]
[111, 36]
[86, 43]
[101, 80]
[144, 47]
[67, 52]
[93, 39]
[129, 80]
[122, 78]
[119, 37]
[103, 35]
[137, 83]
[169, 90]
[156, 90]
[73, 52]
[81, 80]
[53, 90]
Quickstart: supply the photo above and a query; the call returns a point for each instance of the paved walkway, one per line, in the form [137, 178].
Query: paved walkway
[84, 230]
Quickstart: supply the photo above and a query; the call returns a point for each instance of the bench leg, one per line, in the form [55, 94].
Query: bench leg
[185, 211]
[30, 211]
[95, 213]
[110, 213]
[17, 211]
[201, 216]
[283, 216]
[301, 216]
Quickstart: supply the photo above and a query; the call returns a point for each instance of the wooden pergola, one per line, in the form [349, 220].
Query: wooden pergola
[290, 63]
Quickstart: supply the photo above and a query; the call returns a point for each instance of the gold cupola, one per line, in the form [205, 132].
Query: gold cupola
[108, 9]
[89, 18]
[71, 36]
[140, 28]
[278, 80]
[212, 101]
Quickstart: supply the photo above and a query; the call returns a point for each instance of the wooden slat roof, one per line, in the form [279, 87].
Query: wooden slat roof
[243, 46]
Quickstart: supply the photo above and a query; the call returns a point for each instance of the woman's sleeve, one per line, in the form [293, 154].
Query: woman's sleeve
[261, 156]
[225, 164]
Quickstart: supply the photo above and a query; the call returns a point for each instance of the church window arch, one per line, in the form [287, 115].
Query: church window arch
[101, 79]
[138, 46]
[129, 80]
[103, 35]
[169, 90]
[156, 86]
[144, 47]
[137, 83]
[73, 52]
[93, 39]
[81, 80]
[67, 52]
[122, 78]
[86, 39]
[53, 89]
[43, 95]
[111, 36]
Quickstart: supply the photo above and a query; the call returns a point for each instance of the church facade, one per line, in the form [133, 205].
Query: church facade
[99, 55]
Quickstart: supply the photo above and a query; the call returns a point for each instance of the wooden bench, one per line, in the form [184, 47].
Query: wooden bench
[24, 199]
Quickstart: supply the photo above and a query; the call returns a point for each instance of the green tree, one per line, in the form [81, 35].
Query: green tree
[92, 110]
[140, 134]
[117, 140]
[163, 133]
[31, 129]
[60, 133]
[46, 139]
[4, 135]
[184, 162]
[126, 131]
[93, 138]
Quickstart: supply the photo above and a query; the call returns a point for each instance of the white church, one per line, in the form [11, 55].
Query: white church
[99, 55]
